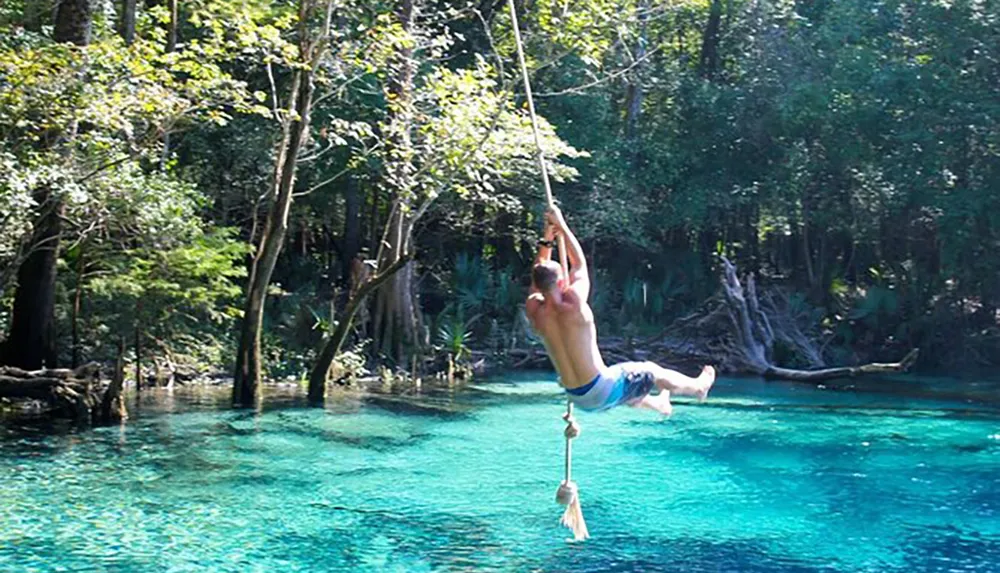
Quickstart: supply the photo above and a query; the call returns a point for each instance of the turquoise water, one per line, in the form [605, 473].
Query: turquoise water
[765, 477]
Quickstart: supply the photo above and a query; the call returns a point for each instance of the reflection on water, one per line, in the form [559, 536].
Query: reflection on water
[901, 476]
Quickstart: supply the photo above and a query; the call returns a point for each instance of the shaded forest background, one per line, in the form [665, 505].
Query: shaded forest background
[202, 184]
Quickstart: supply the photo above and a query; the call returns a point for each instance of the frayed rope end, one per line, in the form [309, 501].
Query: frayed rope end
[569, 495]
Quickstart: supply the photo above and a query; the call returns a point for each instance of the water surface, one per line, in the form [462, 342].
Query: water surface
[898, 476]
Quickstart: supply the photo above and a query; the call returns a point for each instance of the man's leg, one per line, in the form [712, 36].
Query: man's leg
[659, 403]
[673, 381]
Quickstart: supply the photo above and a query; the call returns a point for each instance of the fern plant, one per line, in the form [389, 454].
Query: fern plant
[455, 337]
[471, 281]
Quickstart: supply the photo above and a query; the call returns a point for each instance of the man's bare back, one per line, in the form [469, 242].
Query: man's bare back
[558, 310]
[567, 328]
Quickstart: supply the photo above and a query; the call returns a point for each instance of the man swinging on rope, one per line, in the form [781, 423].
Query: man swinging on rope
[558, 310]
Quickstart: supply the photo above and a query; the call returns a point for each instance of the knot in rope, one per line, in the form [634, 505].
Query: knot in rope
[572, 428]
[567, 493]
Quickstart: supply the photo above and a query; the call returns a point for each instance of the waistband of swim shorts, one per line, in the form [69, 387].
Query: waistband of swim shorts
[585, 388]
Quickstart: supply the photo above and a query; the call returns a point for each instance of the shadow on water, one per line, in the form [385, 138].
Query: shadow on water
[951, 549]
[985, 411]
[969, 393]
[653, 555]
[293, 422]
[442, 541]
[439, 404]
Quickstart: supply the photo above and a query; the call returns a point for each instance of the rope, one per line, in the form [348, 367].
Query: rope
[568, 493]
[534, 128]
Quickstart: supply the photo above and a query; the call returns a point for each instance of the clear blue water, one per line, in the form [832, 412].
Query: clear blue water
[765, 477]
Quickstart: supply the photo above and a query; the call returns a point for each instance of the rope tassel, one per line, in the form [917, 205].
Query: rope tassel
[569, 495]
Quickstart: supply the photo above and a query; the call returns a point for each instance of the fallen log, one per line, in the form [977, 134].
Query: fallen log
[754, 331]
[822, 374]
[77, 394]
[36, 388]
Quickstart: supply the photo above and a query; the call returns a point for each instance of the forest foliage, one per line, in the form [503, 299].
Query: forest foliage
[847, 152]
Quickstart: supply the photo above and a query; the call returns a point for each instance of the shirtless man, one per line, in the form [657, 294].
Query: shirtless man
[558, 310]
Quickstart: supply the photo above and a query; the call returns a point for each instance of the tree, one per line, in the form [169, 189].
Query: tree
[31, 343]
[170, 296]
[79, 125]
[294, 120]
[127, 22]
[447, 131]
[842, 152]
[331, 347]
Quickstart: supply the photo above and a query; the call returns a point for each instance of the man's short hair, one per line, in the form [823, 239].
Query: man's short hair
[545, 275]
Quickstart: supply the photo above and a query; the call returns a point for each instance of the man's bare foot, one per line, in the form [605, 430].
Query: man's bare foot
[659, 403]
[704, 382]
[662, 403]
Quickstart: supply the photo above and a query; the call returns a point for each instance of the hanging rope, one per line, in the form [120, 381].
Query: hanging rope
[568, 493]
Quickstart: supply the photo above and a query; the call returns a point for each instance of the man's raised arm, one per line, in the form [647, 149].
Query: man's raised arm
[545, 246]
[579, 280]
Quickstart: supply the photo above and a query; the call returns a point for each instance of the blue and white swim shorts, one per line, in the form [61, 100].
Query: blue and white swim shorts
[624, 383]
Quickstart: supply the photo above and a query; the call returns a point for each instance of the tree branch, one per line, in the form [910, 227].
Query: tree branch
[104, 167]
[580, 89]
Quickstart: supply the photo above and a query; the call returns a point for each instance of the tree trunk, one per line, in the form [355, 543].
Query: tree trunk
[708, 62]
[332, 346]
[395, 322]
[373, 226]
[823, 374]
[172, 7]
[752, 216]
[681, 33]
[137, 334]
[502, 239]
[633, 98]
[807, 249]
[113, 403]
[32, 343]
[126, 25]
[754, 338]
[396, 319]
[248, 363]
[633, 106]
[73, 22]
[353, 203]
[77, 304]
[295, 129]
